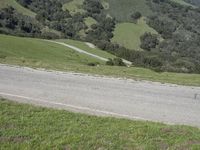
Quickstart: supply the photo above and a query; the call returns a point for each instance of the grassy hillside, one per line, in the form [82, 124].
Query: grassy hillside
[128, 34]
[36, 52]
[122, 9]
[41, 54]
[85, 47]
[74, 6]
[90, 21]
[18, 7]
[29, 127]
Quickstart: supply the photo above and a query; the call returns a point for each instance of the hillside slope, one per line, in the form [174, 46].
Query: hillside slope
[122, 9]
[17, 6]
[128, 34]
[112, 26]
[39, 53]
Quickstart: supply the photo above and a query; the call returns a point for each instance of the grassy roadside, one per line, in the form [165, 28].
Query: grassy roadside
[29, 127]
[37, 53]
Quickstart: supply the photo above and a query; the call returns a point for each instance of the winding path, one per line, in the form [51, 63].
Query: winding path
[85, 52]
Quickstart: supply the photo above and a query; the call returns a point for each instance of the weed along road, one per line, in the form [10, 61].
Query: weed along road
[141, 100]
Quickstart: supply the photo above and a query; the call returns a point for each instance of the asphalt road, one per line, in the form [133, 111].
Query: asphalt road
[102, 95]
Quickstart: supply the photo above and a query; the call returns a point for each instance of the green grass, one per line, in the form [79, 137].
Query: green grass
[105, 4]
[17, 6]
[122, 9]
[29, 127]
[37, 53]
[90, 21]
[74, 6]
[128, 34]
[84, 46]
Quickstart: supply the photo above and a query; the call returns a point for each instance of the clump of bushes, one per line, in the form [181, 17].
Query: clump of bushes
[136, 15]
[93, 64]
[149, 41]
[115, 62]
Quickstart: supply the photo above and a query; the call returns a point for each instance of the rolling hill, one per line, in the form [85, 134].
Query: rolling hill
[39, 53]
[88, 47]
[121, 10]
[17, 6]
[66, 35]
[127, 29]
[128, 34]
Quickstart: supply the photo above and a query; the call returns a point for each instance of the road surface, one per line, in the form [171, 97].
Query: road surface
[102, 95]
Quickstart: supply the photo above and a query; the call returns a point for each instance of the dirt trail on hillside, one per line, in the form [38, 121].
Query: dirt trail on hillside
[85, 52]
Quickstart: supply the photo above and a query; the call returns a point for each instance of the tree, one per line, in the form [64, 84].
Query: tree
[148, 41]
[136, 15]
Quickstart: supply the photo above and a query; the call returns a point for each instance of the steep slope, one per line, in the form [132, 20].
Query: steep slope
[42, 54]
[112, 26]
[17, 6]
[88, 47]
[39, 53]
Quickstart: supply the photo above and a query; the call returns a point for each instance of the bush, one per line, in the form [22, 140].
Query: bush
[93, 64]
[115, 62]
[110, 62]
[50, 35]
[148, 41]
[136, 15]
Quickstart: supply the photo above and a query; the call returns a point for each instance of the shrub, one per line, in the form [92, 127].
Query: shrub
[148, 41]
[93, 64]
[110, 62]
[115, 62]
[136, 15]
